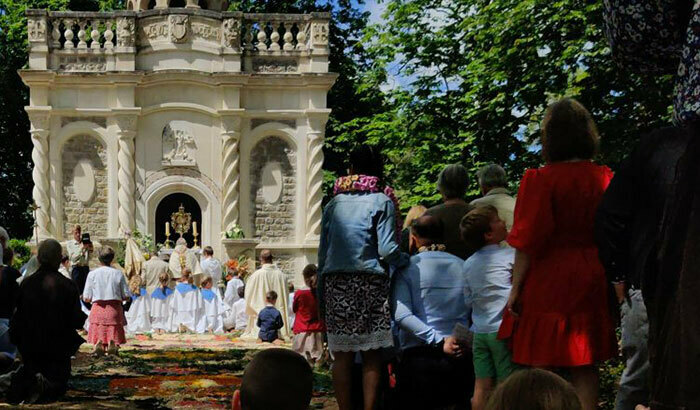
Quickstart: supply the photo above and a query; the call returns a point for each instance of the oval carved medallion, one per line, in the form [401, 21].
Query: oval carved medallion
[84, 181]
[272, 182]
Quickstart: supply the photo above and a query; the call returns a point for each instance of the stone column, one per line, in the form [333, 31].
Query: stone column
[230, 138]
[126, 209]
[314, 175]
[40, 174]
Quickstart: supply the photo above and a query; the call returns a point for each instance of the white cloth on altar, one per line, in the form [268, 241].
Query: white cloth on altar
[161, 309]
[265, 279]
[231, 294]
[138, 317]
[187, 306]
[214, 312]
[191, 261]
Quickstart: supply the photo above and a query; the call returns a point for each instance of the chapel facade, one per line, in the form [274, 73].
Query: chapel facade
[175, 102]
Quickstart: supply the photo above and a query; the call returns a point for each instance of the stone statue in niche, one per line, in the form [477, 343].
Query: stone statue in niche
[178, 146]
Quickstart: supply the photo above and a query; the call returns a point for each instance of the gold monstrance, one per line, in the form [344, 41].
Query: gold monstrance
[181, 221]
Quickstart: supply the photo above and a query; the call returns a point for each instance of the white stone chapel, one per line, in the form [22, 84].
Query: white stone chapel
[134, 113]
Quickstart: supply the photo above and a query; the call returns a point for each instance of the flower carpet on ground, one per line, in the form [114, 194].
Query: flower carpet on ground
[169, 371]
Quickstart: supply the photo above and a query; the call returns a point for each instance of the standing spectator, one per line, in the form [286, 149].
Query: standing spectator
[428, 301]
[212, 267]
[488, 278]
[358, 244]
[308, 326]
[106, 289]
[79, 249]
[268, 277]
[152, 270]
[559, 296]
[290, 303]
[627, 232]
[452, 184]
[414, 213]
[44, 330]
[493, 185]
[4, 239]
[9, 290]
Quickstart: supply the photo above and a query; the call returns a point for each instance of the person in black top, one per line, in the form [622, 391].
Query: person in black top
[8, 296]
[627, 230]
[44, 330]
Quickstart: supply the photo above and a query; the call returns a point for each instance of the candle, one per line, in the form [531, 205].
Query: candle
[167, 229]
[194, 228]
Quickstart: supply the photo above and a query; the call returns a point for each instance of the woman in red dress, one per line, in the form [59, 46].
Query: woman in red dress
[557, 313]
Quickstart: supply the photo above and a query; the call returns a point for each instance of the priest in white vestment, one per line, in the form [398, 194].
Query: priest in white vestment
[263, 280]
[152, 270]
[184, 257]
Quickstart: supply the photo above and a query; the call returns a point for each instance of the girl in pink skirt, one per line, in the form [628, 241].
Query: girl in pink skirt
[106, 289]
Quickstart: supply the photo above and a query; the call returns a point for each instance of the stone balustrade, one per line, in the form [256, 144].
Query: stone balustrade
[125, 40]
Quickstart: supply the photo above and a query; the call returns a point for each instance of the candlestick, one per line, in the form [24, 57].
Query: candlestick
[194, 228]
[167, 229]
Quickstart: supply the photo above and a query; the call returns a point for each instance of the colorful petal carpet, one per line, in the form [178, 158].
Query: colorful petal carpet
[169, 371]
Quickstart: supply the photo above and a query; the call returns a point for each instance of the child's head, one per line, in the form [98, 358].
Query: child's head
[534, 389]
[241, 291]
[310, 273]
[481, 226]
[164, 279]
[65, 261]
[290, 287]
[186, 275]
[271, 297]
[425, 231]
[207, 282]
[291, 382]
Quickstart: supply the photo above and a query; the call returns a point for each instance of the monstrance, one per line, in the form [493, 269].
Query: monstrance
[181, 220]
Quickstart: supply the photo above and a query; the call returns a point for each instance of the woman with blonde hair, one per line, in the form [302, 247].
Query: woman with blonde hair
[557, 314]
[414, 213]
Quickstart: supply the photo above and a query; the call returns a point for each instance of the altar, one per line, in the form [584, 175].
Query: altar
[136, 112]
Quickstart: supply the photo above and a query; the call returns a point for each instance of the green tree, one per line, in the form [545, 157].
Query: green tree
[474, 79]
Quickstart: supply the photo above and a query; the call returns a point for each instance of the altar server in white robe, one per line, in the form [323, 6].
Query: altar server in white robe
[161, 305]
[263, 280]
[212, 267]
[214, 308]
[183, 257]
[138, 317]
[187, 305]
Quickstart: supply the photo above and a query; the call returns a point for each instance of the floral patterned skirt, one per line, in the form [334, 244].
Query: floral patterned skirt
[357, 311]
[107, 322]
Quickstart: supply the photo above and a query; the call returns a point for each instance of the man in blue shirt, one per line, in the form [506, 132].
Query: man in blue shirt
[428, 301]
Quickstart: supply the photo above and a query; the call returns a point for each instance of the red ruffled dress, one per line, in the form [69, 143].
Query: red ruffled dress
[564, 319]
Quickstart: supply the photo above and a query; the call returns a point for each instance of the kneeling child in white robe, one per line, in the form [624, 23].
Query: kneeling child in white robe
[138, 317]
[161, 311]
[187, 306]
[214, 308]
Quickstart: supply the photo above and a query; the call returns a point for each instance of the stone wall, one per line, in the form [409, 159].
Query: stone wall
[286, 262]
[92, 215]
[273, 221]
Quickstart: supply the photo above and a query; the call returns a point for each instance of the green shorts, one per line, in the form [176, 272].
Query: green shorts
[491, 357]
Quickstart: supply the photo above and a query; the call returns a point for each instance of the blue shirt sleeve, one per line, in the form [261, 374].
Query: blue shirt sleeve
[403, 314]
[389, 249]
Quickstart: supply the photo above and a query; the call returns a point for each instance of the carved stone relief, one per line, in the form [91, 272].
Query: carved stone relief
[275, 66]
[232, 30]
[179, 28]
[256, 122]
[206, 32]
[154, 31]
[178, 145]
[320, 33]
[82, 63]
[126, 32]
[36, 30]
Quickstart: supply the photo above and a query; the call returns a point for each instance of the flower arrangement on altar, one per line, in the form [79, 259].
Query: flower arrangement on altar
[239, 265]
[236, 232]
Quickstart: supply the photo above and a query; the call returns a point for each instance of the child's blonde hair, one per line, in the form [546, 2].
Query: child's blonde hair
[534, 389]
[187, 275]
[164, 278]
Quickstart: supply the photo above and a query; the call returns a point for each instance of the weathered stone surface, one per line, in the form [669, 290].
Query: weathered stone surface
[92, 215]
[273, 221]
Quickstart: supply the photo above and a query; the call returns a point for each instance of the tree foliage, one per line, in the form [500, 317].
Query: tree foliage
[474, 77]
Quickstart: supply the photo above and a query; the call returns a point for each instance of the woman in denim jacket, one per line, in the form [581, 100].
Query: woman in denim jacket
[358, 250]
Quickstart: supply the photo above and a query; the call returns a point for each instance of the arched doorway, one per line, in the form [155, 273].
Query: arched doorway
[169, 205]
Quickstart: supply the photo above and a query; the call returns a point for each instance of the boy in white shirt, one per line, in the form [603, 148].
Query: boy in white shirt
[161, 313]
[187, 305]
[214, 308]
[237, 318]
[138, 317]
